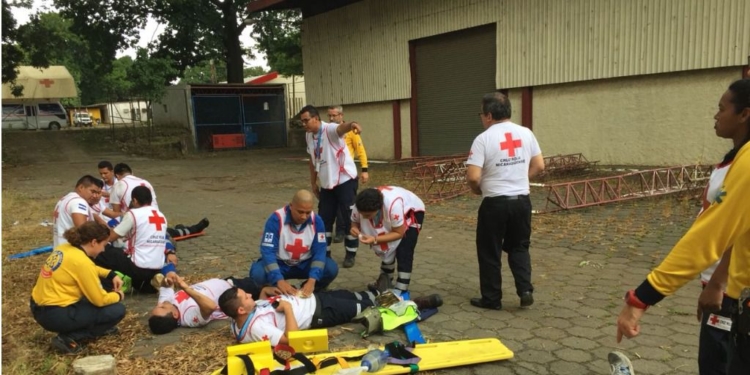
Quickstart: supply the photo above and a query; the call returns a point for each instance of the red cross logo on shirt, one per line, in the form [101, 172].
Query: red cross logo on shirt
[195, 319]
[156, 220]
[395, 217]
[510, 144]
[46, 82]
[296, 249]
[181, 296]
[264, 338]
[714, 319]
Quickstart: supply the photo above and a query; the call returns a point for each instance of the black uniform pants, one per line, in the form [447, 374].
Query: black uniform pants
[503, 223]
[713, 343]
[115, 259]
[331, 201]
[337, 307]
[79, 321]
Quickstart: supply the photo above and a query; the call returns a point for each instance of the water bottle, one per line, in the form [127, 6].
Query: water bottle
[375, 360]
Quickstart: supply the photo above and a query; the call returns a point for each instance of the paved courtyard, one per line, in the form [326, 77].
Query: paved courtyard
[583, 260]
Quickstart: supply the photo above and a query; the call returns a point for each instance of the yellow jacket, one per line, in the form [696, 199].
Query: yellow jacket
[356, 148]
[67, 276]
[725, 223]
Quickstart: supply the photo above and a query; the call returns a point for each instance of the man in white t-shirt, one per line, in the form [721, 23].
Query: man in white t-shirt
[74, 209]
[195, 305]
[146, 252]
[501, 161]
[122, 190]
[104, 208]
[333, 175]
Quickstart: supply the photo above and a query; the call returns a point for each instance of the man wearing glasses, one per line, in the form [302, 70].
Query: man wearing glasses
[357, 151]
[333, 175]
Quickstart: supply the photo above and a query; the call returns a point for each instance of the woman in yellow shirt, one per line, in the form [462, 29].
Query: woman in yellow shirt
[68, 297]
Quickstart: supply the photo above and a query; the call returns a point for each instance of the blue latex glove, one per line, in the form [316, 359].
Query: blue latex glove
[113, 223]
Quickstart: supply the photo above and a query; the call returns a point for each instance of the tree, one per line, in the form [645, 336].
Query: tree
[201, 73]
[47, 40]
[196, 30]
[12, 54]
[279, 37]
[149, 76]
[254, 71]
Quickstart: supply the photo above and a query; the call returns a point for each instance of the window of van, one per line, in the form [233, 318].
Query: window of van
[52, 109]
[12, 110]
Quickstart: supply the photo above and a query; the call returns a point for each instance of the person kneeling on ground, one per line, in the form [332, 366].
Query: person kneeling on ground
[147, 250]
[195, 305]
[68, 297]
[272, 319]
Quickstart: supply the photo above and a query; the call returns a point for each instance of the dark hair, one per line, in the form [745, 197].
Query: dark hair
[369, 200]
[229, 302]
[86, 232]
[160, 325]
[121, 168]
[89, 180]
[311, 110]
[741, 99]
[497, 105]
[105, 164]
[142, 194]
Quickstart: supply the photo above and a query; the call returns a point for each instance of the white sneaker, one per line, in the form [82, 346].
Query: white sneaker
[620, 364]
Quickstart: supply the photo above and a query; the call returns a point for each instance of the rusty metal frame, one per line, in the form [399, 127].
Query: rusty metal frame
[566, 163]
[634, 185]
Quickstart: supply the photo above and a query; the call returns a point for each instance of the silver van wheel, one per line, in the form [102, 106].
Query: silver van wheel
[54, 126]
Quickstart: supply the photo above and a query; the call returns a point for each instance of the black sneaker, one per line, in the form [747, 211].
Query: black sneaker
[527, 299]
[66, 345]
[478, 302]
[338, 238]
[201, 226]
[349, 259]
[428, 302]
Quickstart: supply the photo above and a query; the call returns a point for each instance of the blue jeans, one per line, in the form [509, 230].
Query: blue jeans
[300, 271]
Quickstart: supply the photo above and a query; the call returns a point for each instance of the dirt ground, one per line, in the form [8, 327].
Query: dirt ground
[583, 262]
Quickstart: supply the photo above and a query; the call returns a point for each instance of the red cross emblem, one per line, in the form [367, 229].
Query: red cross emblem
[510, 144]
[296, 249]
[46, 82]
[395, 217]
[181, 296]
[714, 319]
[264, 338]
[195, 319]
[156, 220]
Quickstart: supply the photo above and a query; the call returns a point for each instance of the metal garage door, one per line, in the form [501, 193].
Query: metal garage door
[453, 71]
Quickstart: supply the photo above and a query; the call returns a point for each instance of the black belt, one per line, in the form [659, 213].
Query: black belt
[317, 318]
[508, 197]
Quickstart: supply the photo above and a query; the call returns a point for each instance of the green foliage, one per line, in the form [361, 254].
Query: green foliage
[253, 71]
[279, 37]
[12, 55]
[149, 76]
[201, 73]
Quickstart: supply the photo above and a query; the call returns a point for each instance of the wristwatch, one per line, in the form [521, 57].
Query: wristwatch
[632, 300]
[376, 241]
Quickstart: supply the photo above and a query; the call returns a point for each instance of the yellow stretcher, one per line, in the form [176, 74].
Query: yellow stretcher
[433, 356]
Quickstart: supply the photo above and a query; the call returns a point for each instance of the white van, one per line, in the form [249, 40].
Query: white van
[33, 114]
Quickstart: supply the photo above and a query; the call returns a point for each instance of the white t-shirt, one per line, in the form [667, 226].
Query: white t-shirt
[146, 231]
[330, 156]
[122, 190]
[104, 201]
[63, 216]
[398, 206]
[190, 312]
[265, 324]
[504, 152]
[713, 188]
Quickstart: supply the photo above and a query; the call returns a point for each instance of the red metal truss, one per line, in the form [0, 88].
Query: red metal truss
[648, 183]
[564, 163]
[404, 168]
[440, 178]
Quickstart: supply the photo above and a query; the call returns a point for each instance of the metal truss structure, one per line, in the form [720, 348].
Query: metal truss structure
[633, 185]
[565, 163]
